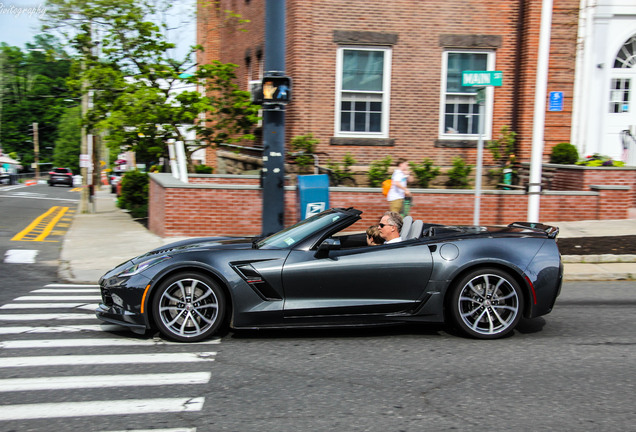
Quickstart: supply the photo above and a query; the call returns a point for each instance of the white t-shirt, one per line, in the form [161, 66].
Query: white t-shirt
[395, 192]
[395, 240]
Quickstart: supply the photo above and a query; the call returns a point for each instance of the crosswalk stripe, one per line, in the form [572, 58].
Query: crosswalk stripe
[60, 329]
[66, 290]
[108, 359]
[88, 306]
[20, 256]
[102, 381]
[100, 408]
[52, 317]
[71, 286]
[61, 297]
[67, 343]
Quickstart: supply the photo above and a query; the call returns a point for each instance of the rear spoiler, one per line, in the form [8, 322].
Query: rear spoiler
[551, 231]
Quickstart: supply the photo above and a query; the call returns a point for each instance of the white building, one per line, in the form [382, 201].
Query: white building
[605, 85]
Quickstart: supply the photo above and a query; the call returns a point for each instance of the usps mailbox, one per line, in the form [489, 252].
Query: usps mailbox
[313, 194]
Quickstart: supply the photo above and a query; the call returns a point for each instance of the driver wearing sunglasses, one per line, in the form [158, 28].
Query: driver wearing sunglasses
[390, 226]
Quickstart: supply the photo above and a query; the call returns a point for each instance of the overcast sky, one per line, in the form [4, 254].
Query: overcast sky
[20, 22]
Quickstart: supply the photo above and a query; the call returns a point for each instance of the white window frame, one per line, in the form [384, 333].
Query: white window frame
[488, 104]
[385, 98]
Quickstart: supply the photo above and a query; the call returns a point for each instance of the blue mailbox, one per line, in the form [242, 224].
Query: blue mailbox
[313, 194]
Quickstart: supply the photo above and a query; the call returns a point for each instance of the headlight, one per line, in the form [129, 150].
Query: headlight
[143, 265]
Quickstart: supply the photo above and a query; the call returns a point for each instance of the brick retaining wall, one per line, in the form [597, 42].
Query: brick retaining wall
[231, 205]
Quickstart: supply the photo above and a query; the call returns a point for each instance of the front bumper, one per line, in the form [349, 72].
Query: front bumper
[119, 316]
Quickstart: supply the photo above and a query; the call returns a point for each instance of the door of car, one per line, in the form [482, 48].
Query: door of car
[365, 280]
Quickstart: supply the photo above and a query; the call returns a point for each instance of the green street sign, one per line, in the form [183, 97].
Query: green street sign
[482, 78]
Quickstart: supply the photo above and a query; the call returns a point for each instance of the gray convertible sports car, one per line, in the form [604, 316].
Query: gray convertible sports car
[320, 272]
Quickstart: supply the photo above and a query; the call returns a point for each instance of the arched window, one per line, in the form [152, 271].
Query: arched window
[626, 57]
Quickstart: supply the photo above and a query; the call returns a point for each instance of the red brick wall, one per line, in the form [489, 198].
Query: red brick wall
[196, 210]
[416, 66]
[581, 178]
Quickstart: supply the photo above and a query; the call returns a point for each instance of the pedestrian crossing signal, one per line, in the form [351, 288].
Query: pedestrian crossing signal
[276, 90]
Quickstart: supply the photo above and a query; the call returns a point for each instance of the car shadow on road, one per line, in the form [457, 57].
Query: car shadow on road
[418, 329]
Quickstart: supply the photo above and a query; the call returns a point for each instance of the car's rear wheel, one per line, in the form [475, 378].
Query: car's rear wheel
[487, 303]
[189, 307]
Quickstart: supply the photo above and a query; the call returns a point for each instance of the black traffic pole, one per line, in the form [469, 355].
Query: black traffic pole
[273, 174]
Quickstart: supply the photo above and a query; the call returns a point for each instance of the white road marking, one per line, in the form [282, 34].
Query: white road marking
[60, 297]
[61, 329]
[66, 290]
[20, 256]
[108, 359]
[67, 343]
[87, 306]
[100, 408]
[72, 286]
[102, 381]
[52, 317]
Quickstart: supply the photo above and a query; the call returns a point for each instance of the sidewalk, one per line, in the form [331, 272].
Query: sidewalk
[99, 241]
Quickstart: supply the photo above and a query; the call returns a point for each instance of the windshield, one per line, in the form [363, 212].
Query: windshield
[295, 233]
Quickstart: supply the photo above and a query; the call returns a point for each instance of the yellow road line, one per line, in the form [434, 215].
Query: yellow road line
[41, 227]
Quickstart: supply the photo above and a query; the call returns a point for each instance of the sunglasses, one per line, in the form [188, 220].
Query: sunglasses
[381, 225]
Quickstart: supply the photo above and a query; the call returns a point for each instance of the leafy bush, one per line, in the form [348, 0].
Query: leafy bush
[458, 175]
[424, 172]
[134, 193]
[340, 173]
[203, 169]
[597, 160]
[564, 153]
[379, 171]
[503, 153]
[304, 147]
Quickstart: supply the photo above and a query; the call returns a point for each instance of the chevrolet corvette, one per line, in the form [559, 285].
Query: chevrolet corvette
[320, 272]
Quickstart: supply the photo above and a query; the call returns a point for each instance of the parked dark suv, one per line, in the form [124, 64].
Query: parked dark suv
[61, 176]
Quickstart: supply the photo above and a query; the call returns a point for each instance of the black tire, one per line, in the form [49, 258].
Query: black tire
[487, 304]
[188, 307]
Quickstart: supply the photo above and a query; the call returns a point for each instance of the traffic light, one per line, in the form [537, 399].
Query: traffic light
[276, 90]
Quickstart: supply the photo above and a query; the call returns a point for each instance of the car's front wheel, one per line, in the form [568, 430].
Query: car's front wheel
[487, 303]
[189, 307]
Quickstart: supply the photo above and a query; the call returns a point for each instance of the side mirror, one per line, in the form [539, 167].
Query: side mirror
[326, 246]
[329, 244]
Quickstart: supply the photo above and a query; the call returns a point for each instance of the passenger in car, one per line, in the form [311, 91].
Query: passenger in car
[373, 236]
[390, 226]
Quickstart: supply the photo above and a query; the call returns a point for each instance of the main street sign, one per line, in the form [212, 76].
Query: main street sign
[482, 78]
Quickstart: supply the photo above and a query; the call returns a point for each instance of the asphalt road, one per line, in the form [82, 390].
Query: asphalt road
[60, 369]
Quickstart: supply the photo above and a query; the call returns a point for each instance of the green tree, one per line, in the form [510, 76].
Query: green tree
[68, 142]
[33, 89]
[134, 80]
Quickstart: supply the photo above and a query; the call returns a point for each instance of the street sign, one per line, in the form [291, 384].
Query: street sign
[556, 101]
[482, 78]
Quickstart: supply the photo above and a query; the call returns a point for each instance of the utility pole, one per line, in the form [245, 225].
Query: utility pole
[36, 151]
[273, 174]
[538, 127]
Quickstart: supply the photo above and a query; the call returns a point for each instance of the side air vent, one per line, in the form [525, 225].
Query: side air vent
[256, 282]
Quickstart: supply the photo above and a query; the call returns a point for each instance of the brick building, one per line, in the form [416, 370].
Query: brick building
[379, 78]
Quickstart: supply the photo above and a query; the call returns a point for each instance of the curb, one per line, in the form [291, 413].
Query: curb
[598, 259]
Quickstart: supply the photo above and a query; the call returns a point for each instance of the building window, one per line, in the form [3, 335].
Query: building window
[619, 95]
[626, 57]
[459, 108]
[362, 99]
